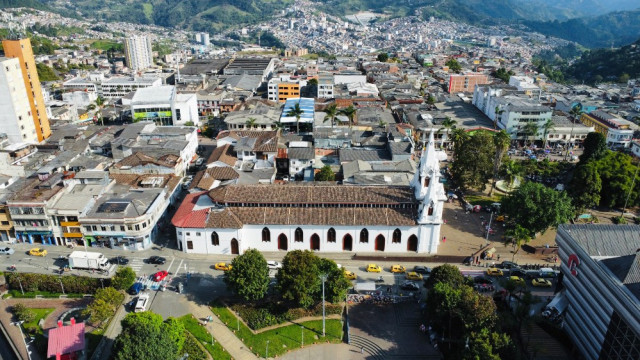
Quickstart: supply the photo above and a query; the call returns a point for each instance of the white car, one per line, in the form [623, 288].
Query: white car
[274, 265]
[7, 251]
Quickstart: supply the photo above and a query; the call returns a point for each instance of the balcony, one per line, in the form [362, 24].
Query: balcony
[69, 223]
[72, 235]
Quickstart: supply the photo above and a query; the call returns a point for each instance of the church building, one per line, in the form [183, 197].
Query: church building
[323, 217]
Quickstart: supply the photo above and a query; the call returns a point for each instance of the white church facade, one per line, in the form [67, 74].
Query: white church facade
[317, 216]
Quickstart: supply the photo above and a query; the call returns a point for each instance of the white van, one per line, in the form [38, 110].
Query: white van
[142, 303]
[547, 273]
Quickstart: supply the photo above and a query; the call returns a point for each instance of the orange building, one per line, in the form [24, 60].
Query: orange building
[466, 82]
[22, 50]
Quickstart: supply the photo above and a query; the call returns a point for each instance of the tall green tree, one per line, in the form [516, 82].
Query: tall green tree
[447, 124]
[105, 303]
[251, 123]
[325, 174]
[350, 113]
[145, 336]
[336, 285]
[530, 130]
[454, 65]
[517, 236]
[383, 57]
[331, 113]
[617, 172]
[249, 275]
[501, 140]
[473, 160]
[536, 207]
[595, 147]
[298, 279]
[124, 278]
[585, 186]
[446, 274]
[510, 170]
[296, 112]
[546, 128]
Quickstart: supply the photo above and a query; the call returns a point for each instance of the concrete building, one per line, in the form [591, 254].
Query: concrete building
[262, 67]
[525, 84]
[117, 87]
[308, 107]
[285, 87]
[203, 39]
[515, 117]
[325, 87]
[323, 218]
[22, 50]
[601, 296]
[16, 117]
[163, 106]
[465, 82]
[618, 131]
[138, 52]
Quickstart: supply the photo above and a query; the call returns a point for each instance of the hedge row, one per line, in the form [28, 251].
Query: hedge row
[258, 316]
[51, 283]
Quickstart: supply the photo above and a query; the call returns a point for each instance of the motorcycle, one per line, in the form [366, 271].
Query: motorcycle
[12, 268]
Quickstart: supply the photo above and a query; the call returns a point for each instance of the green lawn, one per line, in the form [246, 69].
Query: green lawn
[483, 200]
[192, 325]
[40, 314]
[281, 339]
[93, 339]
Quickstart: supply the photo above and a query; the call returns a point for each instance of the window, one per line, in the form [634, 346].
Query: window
[121, 227]
[430, 209]
[94, 227]
[364, 236]
[331, 235]
[426, 182]
[397, 236]
[190, 245]
[113, 228]
[188, 233]
[103, 228]
[137, 227]
[266, 235]
[129, 227]
[215, 240]
[198, 234]
[298, 235]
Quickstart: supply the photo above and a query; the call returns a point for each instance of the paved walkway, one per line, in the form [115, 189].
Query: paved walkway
[103, 351]
[222, 334]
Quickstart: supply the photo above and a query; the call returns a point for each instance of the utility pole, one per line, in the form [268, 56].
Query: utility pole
[302, 335]
[266, 355]
[323, 277]
[630, 189]
[488, 228]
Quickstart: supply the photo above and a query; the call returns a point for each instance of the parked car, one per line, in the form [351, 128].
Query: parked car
[422, 270]
[508, 265]
[7, 251]
[158, 260]
[350, 275]
[373, 268]
[38, 252]
[223, 266]
[160, 275]
[398, 269]
[482, 280]
[274, 265]
[494, 272]
[468, 260]
[518, 272]
[410, 286]
[135, 288]
[119, 260]
[518, 280]
[412, 275]
[547, 273]
[540, 282]
[200, 161]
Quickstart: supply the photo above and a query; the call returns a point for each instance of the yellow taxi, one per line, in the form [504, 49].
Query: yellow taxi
[373, 268]
[350, 275]
[518, 280]
[541, 282]
[412, 275]
[37, 252]
[223, 266]
[494, 272]
[398, 269]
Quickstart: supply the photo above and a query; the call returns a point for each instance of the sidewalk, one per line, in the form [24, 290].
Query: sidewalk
[222, 334]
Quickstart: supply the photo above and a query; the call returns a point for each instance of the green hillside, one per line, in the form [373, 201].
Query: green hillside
[607, 65]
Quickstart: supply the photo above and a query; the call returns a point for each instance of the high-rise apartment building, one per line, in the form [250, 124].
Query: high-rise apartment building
[16, 120]
[21, 49]
[138, 52]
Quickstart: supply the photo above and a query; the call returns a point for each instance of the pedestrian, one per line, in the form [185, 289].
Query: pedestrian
[498, 257]
[361, 350]
[445, 221]
[444, 238]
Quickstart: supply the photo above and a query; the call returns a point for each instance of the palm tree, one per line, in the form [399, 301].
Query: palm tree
[100, 103]
[382, 124]
[331, 113]
[447, 124]
[498, 113]
[297, 112]
[519, 236]
[501, 140]
[350, 113]
[531, 129]
[509, 171]
[251, 123]
[458, 135]
[575, 112]
[546, 128]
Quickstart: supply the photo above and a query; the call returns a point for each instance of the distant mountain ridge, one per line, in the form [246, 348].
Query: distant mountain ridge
[606, 64]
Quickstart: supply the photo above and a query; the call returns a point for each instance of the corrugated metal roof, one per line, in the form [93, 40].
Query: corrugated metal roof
[65, 340]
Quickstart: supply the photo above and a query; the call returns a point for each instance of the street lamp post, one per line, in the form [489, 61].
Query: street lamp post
[630, 189]
[302, 335]
[323, 277]
[488, 229]
[19, 325]
[62, 286]
[20, 282]
[266, 355]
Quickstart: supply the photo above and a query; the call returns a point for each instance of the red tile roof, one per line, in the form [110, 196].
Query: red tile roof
[65, 340]
[185, 217]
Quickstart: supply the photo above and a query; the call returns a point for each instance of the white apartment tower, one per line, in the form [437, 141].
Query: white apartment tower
[16, 120]
[137, 50]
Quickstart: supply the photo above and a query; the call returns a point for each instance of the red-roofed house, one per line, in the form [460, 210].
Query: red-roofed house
[66, 342]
